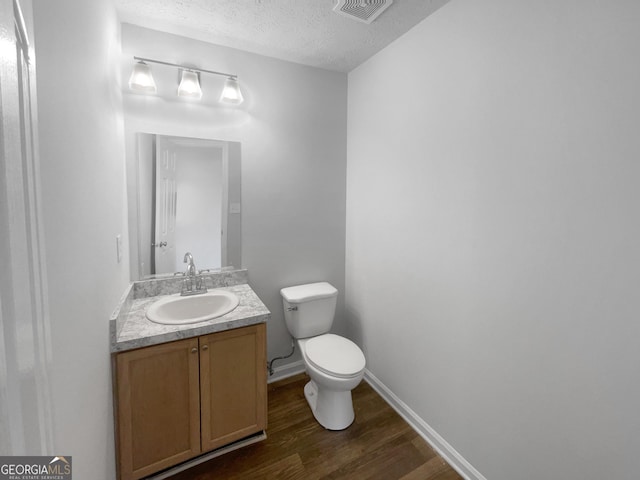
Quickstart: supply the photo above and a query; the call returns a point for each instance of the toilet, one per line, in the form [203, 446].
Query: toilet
[334, 363]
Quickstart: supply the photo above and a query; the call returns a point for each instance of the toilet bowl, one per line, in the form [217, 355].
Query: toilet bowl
[335, 364]
[329, 390]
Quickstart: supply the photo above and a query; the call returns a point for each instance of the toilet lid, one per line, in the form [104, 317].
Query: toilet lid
[335, 355]
[308, 292]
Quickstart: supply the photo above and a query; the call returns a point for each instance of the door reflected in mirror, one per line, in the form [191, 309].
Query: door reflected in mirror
[187, 200]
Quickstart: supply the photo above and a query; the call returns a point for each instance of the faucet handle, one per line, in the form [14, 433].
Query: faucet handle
[204, 278]
[201, 284]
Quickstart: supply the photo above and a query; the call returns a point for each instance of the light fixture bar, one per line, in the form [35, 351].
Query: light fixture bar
[184, 67]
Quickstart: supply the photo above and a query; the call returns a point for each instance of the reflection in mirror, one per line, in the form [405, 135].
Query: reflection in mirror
[188, 200]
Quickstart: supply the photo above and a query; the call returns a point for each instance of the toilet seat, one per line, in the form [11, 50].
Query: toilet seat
[335, 355]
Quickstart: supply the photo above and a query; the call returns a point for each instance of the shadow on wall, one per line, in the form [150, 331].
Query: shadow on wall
[353, 327]
[150, 108]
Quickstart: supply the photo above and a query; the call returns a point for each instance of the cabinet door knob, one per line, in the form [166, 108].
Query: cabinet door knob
[194, 350]
[205, 347]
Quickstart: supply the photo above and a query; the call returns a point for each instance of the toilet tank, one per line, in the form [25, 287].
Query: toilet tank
[309, 309]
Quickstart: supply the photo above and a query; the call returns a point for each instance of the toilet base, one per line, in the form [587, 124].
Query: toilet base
[333, 410]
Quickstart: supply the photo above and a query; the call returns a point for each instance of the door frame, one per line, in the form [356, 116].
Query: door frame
[25, 333]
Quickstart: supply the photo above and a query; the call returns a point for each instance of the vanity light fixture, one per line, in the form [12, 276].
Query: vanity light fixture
[231, 92]
[190, 85]
[141, 79]
[189, 81]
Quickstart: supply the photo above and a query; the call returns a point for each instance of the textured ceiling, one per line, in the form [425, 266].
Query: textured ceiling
[302, 31]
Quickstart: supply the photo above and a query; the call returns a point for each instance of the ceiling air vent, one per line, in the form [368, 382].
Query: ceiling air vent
[365, 11]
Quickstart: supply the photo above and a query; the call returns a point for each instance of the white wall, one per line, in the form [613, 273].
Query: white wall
[83, 193]
[492, 232]
[292, 127]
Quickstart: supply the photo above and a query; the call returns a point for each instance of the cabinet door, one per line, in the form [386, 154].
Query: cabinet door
[233, 385]
[158, 407]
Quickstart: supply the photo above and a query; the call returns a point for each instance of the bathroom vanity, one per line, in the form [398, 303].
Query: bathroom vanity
[181, 391]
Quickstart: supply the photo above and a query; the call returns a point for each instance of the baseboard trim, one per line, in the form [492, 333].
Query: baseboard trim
[286, 371]
[258, 437]
[439, 444]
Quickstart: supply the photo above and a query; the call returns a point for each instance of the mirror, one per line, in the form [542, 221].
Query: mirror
[187, 199]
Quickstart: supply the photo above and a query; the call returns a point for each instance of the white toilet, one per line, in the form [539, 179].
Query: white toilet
[335, 364]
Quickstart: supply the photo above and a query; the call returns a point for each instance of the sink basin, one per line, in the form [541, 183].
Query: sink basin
[177, 310]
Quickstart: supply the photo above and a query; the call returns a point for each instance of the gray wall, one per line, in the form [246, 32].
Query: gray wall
[493, 228]
[292, 128]
[84, 208]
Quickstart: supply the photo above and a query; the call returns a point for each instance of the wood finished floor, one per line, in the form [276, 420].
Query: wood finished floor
[378, 445]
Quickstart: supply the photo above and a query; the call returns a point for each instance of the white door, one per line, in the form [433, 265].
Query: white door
[199, 212]
[165, 205]
[25, 351]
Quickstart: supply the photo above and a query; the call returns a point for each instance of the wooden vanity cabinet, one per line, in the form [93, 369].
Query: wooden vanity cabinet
[158, 407]
[233, 385]
[177, 400]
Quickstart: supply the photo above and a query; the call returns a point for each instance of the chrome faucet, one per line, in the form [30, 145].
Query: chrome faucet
[192, 283]
[191, 267]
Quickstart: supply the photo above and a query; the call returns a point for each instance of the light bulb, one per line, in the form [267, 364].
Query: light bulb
[190, 85]
[141, 79]
[231, 92]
